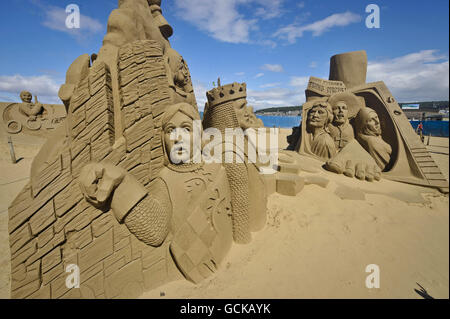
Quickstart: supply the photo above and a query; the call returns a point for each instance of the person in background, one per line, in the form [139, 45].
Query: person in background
[420, 131]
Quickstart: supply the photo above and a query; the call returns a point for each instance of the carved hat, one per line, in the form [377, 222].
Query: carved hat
[350, 99]
[227, 93]
[184, 108]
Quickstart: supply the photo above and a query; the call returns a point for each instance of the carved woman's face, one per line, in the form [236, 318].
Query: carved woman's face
[373, 125]
[317, 116]
[178, 138]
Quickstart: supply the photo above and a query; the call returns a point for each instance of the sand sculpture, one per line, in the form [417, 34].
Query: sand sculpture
[372, 136]
[110, 193]
[31, 118]
[319, 118]
[188, 204]
[368, 134]
[106, 197]
[344, 107]
[31, 110]
[244, 114]
[226, 110]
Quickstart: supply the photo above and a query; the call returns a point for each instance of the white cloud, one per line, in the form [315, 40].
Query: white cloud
[270, 85]
[299, 82]
[273, 67]
[294, 31]
[200, 90]
[268, 43]
[5, 98]
[220, 19]
[55, 19]
[275, 97]
[259, 75]
[44, 86]
[419, 76]
[269, 9]
[239, 73]
[223, 21]
[313, 65]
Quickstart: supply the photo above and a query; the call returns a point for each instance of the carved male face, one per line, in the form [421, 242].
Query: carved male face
[372, 125]
[180, 127]
[317, 116]
[244, 113]
[182, 74]
[240, 106]
[26, 97]
[340, 113]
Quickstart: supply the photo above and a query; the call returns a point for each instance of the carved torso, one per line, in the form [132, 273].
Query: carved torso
[377, 148]
[341, 134]
[201, 218]
[323, 146]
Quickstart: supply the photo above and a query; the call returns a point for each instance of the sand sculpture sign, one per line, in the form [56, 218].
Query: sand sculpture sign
[31, 118]
[108, 196]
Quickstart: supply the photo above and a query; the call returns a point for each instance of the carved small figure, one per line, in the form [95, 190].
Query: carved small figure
[32, 110]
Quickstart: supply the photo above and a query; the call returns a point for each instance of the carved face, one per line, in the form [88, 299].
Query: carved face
[340, 113]
[372, 125]
[317, 116]
[26, 97]
[178, 138]
[182, 74]
[244, 114]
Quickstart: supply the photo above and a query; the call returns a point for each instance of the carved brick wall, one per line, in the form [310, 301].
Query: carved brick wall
[50, 223]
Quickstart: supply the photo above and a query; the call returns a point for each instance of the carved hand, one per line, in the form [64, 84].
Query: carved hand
[360, 170]
[98, 181]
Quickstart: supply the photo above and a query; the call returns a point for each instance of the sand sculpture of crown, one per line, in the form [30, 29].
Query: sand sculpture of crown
[229, 92]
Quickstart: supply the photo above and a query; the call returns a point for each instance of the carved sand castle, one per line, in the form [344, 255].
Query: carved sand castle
[107, 195]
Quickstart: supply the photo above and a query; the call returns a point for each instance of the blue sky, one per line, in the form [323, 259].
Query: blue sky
[272, 45]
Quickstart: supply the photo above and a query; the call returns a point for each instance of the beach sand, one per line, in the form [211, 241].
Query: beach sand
[314, 245]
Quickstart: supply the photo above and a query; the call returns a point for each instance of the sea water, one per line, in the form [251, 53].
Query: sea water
[435, 128]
